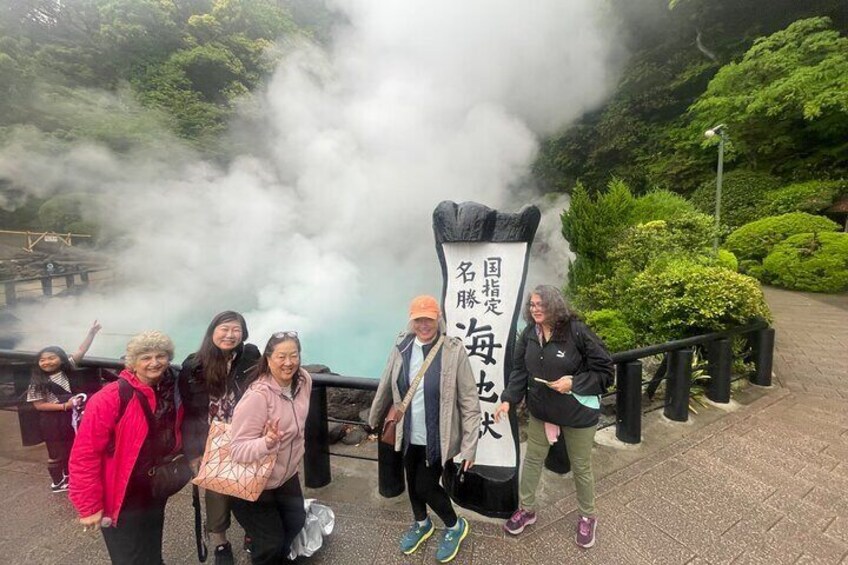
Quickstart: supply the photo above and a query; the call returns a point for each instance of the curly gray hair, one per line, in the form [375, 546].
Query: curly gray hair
[145, 342]
[553, 302]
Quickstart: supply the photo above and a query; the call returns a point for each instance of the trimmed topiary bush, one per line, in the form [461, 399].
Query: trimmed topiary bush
[690, 234]
[755, 240]
[611, 326]
[660, 205]
[676, 298]
[817, 262]
[810, 196]
[743, 196]
[727, 260]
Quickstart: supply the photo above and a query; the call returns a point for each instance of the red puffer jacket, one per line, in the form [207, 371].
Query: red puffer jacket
[98, 480]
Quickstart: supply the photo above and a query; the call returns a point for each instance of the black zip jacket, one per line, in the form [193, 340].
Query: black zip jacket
[195, 396]
[572, 350]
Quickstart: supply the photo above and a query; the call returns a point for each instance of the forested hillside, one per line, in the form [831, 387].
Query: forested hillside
[177, 63]
[775, 72]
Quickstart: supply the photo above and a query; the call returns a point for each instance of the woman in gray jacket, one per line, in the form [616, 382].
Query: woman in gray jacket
[441, 422]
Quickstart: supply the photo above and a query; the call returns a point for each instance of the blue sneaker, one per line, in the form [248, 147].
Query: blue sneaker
[449, 546]
[415, 536]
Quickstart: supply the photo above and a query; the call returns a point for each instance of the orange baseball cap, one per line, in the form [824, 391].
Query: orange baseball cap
[424, 306]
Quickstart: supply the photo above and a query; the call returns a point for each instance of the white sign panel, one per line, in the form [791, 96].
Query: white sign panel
[483, 282]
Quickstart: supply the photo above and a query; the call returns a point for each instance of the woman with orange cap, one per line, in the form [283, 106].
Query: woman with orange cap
[442, 420]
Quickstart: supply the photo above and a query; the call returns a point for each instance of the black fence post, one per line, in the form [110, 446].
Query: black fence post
[47, 286]
[763, 346]
[719, 360]
[84, 277]
[316, 460]
[677, 385]
[389, 471]
[69, 281]
[628, 402]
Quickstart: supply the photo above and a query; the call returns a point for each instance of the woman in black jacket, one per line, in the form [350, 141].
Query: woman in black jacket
[211, 382]
[563, 368]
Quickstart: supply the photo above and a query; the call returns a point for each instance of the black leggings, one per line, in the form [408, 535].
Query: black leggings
[273, 521]
[424, 488]
[58, 437]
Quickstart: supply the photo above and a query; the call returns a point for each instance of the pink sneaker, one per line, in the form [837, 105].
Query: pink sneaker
[520, 520]
[586, 531]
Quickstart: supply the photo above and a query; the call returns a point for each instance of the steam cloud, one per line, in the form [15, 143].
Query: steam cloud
[324, 226]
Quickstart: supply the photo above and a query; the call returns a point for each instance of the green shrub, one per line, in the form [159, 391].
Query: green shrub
[660, 205]
[755, 240]
[810, 196]
[817, 262]
[743, 195]
[727, 260]
[676, 298]
[688, 234]
[611, 326]
[592, 226]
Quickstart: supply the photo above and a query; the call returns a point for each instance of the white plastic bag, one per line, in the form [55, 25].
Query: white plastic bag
[320, 521]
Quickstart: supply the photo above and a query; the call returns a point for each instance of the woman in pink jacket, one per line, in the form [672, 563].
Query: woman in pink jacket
[271, 417]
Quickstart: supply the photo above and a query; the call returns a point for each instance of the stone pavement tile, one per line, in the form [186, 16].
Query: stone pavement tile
[793, 537]
[751, 529]
[731, 480]
[800, 509]
[841, 470]
[501, 552]
[838, 529]
[788, 444]
[763, 470]
[829, 498]
[651, 481]
[689, 526]
[353, 542]
[652, 544]
[767, 556]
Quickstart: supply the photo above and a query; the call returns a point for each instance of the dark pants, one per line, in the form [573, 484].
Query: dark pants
[424, 488]
[58, 437]
[272, 522]
[137, 539]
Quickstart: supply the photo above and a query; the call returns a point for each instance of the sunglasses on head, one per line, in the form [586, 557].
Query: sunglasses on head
[281, 335]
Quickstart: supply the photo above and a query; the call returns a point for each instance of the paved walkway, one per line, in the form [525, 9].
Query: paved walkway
[765, 483]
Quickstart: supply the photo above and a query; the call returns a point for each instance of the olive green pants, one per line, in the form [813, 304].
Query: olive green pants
[578, 444]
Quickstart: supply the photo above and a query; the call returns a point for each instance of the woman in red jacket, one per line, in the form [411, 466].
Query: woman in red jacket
[116, 447]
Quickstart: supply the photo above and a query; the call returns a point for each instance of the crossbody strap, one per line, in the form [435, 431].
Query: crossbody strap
[426, 365]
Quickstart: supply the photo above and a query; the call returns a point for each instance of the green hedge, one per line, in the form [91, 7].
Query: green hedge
[688, 234]
[727, 260]
[660, 205]
[743, 196]
[755, 240]
[611, 326]
[676, 298]
[816, 262]
[809, 196]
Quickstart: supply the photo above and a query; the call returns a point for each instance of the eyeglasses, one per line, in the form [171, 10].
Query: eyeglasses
[536, 305]
[288, 333]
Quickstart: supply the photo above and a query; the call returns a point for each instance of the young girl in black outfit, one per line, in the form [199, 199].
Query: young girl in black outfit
[52, 389]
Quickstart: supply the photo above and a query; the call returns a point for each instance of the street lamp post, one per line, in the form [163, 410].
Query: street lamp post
[721, 131]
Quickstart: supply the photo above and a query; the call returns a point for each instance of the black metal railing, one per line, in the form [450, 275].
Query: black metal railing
[628, 393]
